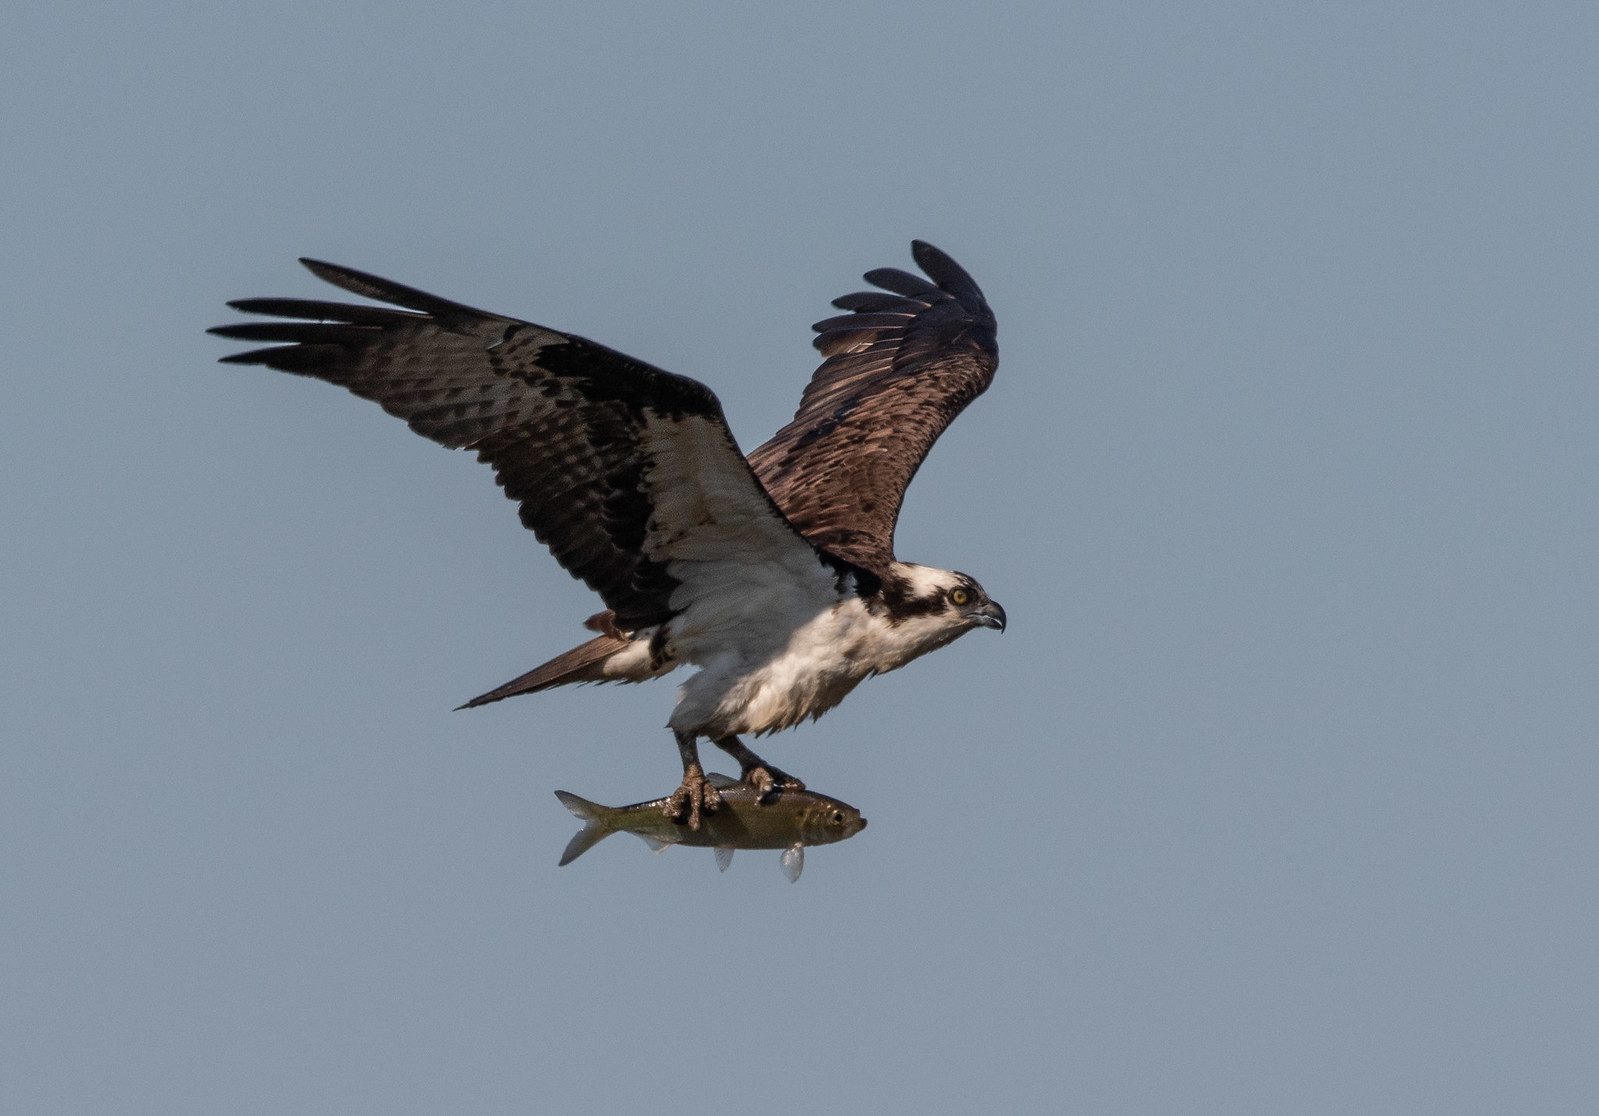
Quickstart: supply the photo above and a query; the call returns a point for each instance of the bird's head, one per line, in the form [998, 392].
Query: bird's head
[969, 603]
[931, 607]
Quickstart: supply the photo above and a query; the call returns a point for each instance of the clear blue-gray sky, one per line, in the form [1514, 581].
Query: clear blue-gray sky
[1277, 796]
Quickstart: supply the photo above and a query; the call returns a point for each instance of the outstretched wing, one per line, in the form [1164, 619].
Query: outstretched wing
[624, 471]
[899, 368]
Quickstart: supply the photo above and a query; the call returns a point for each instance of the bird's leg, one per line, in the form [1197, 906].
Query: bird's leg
[694, 796]
[766, 778]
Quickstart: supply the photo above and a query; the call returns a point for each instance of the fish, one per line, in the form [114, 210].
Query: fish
[786, 819]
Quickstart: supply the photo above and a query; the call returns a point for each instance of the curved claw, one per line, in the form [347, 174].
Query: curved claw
[694, 796]
[770, 782]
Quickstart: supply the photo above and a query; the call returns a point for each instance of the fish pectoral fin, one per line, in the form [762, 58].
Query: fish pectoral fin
[724, 857]
[720, 781]
[793, 861]
[655, 845]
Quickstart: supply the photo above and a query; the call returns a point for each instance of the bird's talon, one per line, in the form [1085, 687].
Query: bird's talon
[693, 797]
[770, 782]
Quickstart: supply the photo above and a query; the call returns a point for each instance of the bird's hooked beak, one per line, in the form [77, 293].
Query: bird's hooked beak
[990, 616]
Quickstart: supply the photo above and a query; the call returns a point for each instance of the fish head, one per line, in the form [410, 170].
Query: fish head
[829, 820]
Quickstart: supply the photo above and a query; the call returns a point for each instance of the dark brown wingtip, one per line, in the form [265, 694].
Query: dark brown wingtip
[900, 282]
[950, 276]
[371, 286]
[357, 282]
[322, 269]
[933, 260]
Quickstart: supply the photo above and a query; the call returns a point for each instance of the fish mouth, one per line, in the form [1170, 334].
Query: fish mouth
[991, 615]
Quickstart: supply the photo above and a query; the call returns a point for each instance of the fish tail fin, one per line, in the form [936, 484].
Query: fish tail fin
[594, 828]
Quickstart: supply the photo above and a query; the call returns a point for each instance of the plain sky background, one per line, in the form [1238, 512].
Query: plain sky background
[1277, 796]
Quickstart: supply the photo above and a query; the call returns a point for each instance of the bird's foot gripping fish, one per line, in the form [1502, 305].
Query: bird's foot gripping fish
[747, 818]
[698, 795]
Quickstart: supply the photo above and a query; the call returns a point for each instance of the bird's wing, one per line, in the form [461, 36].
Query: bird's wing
[627, 473]
[900, 366]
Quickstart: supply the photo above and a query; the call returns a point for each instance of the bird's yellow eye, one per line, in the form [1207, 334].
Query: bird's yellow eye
[960, 596]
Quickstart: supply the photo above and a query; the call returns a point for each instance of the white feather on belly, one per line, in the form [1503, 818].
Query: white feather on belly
[811, 671]
[776, 679]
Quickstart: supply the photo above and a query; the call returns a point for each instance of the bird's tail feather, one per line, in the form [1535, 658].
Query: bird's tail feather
[584, 663]
[594, 828]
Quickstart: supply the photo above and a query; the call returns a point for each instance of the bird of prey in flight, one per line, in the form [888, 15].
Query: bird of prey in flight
[775, 574]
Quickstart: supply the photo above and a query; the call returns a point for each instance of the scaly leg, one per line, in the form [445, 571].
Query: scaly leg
[694, 796]
[766, 778]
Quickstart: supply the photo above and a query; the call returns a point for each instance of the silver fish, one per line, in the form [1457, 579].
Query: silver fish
[789, 820]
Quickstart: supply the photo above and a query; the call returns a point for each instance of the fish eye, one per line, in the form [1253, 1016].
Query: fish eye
[838, 817]
[960, 595]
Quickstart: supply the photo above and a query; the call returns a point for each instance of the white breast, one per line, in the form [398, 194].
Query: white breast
[805, 674]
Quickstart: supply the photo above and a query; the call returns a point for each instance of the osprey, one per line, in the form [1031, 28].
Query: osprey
[775, 574]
